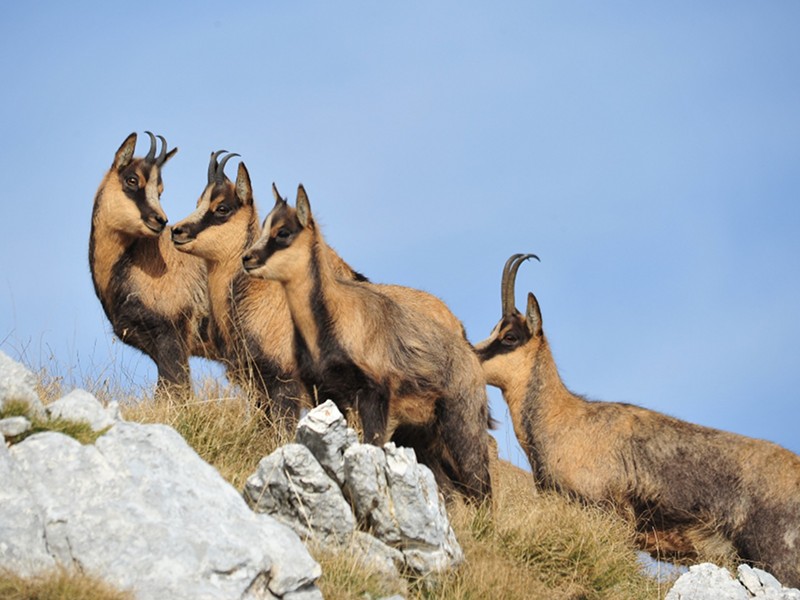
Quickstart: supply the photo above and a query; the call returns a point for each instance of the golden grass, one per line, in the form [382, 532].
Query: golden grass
[532, 545]
[58, 584]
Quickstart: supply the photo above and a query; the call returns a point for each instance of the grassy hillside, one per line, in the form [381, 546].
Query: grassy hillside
[531, 545]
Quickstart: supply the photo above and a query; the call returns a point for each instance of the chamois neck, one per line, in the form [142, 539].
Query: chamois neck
[106, 247]
[224, 270]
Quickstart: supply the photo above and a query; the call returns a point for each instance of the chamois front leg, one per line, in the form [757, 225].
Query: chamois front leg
[372, 404]
[172, 358]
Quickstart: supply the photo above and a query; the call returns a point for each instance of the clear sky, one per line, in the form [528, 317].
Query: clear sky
[649, 153]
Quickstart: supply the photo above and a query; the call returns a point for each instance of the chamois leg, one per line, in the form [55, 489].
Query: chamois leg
[769, 540]
[284, 400]
[172, 360]
[464, 436]
[373, 410]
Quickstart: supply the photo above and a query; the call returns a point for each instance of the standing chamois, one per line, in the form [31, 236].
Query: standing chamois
[251, 321]
[686, 488]
[154, 296]
[396, 365]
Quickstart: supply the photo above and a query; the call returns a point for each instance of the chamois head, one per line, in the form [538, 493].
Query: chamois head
[515, 338]
[283, 250]
[131, 193]
[219, 226]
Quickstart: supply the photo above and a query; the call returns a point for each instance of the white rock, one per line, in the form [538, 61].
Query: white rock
[141, 510]
[18, 383]
[80, 405]
[324, 431]
[14, 426]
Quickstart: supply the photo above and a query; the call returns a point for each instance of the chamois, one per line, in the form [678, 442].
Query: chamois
[154, 296]
[398, 366]
[685, 487]
[251, 322]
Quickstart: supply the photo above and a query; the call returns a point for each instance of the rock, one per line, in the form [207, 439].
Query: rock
[80, 405]
[394, 499]
[141, 510]
[376, 556]
[17, 383]
[22, 543]
[14, 426]
[398, 500]
[710, 582]
[324, 431]
[292, 486]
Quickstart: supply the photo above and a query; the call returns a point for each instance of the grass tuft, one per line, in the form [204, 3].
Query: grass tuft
[57, 584]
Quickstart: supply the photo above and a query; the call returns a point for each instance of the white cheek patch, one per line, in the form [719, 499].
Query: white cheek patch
[151, 191]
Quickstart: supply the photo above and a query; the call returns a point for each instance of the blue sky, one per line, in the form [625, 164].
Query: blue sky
[649, 153]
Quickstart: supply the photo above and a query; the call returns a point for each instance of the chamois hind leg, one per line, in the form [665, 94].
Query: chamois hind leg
[464, 436]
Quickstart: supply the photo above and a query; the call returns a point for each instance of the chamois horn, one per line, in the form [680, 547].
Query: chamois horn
[507, 282]
[219, 176]
[151, 154]
[162, 156]
[212, 165]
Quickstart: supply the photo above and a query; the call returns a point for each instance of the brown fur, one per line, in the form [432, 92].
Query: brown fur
[361, 346]
[687, 488]
[154, 297]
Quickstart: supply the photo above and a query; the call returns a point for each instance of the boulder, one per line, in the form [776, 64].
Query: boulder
[292, 486]
[80, 405]
[710, 582]
[18, 383]
[395, 503]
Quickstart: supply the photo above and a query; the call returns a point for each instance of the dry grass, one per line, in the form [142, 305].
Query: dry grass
[58, 584]
[531, 546]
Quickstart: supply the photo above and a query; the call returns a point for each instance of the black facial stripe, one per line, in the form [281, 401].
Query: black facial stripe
[515, 325]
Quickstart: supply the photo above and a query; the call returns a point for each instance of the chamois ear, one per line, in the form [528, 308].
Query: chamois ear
[244, 190]
[169, 155]
[303, 208]
[124, 155]
[533, 316]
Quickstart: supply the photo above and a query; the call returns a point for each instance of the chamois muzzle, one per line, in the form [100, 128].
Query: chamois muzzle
[509, 278]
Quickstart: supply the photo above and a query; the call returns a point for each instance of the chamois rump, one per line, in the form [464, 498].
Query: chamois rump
[687, 489]
[154, 296]
[396, 365]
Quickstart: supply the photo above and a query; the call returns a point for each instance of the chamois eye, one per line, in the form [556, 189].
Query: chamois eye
[283, 233]
[132, 181]
[222, 210]
[509, 339]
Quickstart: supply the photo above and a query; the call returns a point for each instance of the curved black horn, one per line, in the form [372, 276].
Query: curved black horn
[219, 177]
[212, 165]
[162, 156]
[509, 278]
[151, 154]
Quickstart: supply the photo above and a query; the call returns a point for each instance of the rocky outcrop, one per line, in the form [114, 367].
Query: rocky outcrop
[138, 509]
[378, 502]
[710, 582]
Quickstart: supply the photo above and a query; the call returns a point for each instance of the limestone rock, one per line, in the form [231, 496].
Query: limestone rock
[710, 582]
[141, 510]
[292, 486]
[80, 405]
[14, 426]
[324, 431]
[18, 383]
